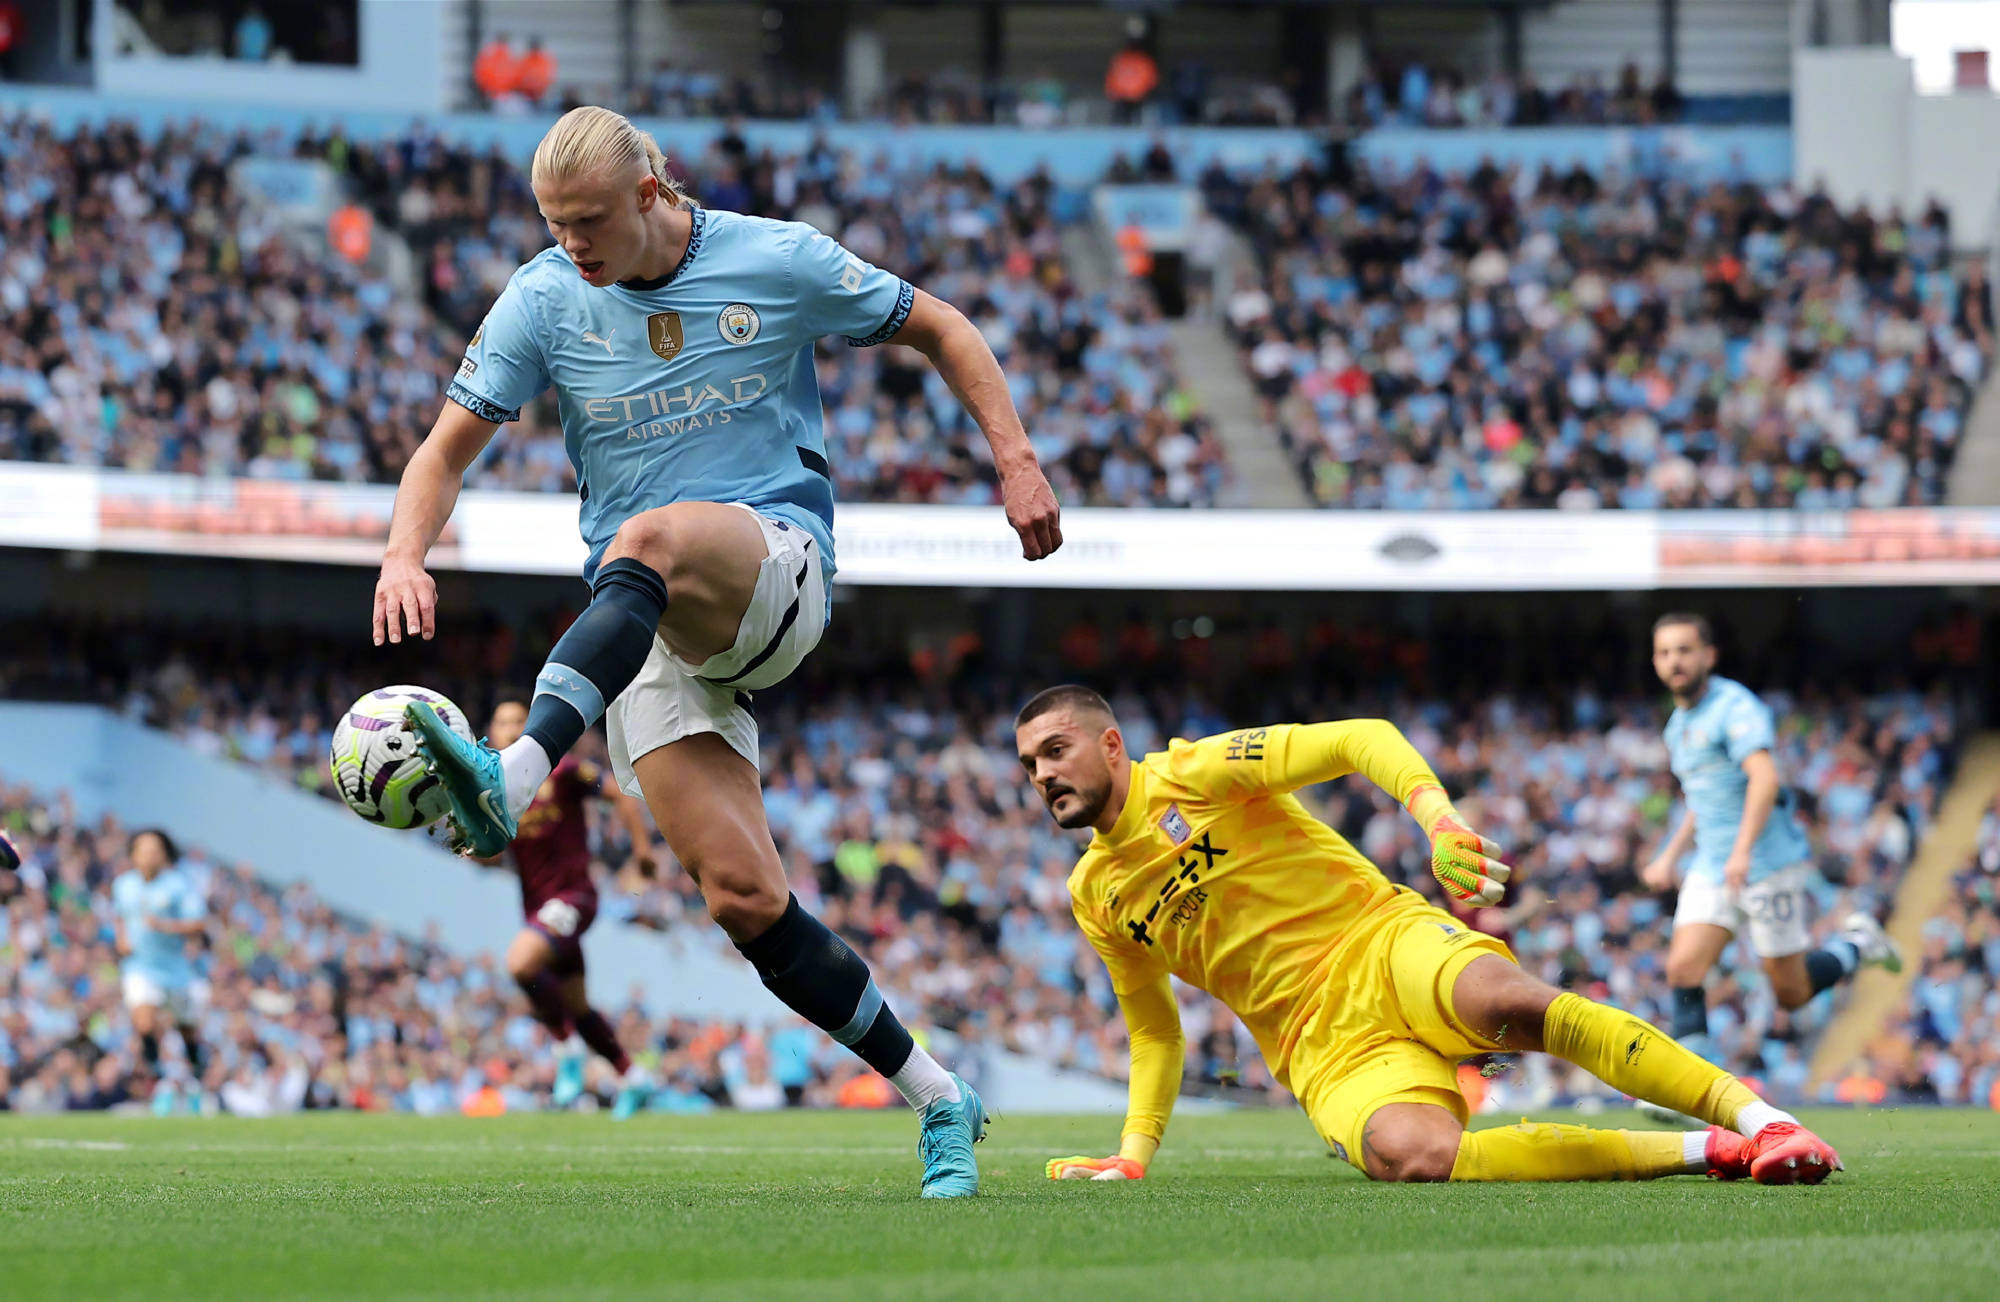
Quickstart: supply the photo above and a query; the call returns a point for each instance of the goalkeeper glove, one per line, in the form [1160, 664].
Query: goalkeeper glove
[1465, 863]
[1095, 1168]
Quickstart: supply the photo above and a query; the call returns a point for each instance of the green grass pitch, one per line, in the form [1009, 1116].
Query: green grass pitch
[823, 1206]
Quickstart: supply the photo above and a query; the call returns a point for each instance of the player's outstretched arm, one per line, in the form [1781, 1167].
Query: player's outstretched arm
[1291, 756]
[1159, 1050]
[960, 353]
[405, 595]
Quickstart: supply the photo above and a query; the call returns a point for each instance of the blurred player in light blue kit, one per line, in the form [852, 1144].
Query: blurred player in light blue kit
[157, 911]
[1752, 872]
[678, 342]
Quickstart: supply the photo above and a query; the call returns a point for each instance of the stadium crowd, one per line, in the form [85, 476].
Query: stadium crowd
[307, 1009]
[156, 320]
[1568, 339]
[1422, 96]
[900, 815]
[1946, 1046]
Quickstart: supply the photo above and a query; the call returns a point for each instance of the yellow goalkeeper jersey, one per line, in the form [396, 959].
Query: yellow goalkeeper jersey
[1215, 872]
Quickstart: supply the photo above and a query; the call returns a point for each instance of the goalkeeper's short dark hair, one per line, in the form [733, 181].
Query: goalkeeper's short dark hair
[1699, 623]
[1065, 696]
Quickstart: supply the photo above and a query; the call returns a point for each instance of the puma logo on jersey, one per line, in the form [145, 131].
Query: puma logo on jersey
[591, 336]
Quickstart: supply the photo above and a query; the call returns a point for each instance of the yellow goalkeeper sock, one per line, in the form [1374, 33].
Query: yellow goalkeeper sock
[1543, 1152]
[1636, 1057]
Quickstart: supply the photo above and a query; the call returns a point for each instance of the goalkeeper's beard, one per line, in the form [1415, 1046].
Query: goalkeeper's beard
[1090, 804]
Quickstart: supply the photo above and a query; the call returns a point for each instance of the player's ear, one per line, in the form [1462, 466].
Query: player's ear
[649, 192]
[1114, 744]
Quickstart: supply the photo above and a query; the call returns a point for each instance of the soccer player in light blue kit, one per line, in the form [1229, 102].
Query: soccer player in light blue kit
[1752, 870]
[156, 910]
[679, 343]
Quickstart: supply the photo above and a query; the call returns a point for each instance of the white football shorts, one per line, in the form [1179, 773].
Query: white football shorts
[181, 1003]
[1772, 913]
[672, 699]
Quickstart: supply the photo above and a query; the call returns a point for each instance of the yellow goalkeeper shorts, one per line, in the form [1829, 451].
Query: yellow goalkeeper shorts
[1386, 1031]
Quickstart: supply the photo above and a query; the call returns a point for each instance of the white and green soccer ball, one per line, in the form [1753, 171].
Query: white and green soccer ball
[375, 762]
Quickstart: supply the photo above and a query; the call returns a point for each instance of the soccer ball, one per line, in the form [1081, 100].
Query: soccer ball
[375, 762]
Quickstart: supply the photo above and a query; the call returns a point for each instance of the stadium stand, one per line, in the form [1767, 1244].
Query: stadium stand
[313, 1010]
[898, 810]
[1442, 97]
[212, 344]
[1946, 1046]
[1538, 339]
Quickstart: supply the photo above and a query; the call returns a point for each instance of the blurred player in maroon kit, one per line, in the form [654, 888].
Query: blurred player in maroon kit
[551, 854]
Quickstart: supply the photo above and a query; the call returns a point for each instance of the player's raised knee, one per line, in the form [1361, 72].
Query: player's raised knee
[648, 538]
[744, 911]
[1792, 992]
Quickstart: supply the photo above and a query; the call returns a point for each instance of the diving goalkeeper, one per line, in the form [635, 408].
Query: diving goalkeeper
[1362, 996]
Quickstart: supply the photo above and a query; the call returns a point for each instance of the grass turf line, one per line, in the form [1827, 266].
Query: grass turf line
[822, 1206]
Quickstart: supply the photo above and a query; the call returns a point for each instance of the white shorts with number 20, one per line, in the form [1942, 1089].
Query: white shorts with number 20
[1771, 912]
[672, 699]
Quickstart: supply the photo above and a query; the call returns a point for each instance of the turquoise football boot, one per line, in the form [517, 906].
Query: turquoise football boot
[473, 782]
[632, 1097]
[945, 1143]
[569, 1080]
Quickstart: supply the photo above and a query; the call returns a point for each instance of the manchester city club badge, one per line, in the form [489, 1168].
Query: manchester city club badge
[738, 323]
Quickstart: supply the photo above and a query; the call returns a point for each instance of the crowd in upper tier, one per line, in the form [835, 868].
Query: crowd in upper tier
[1510, 338]
[155, 319]
[1415, 340]
[900, 814]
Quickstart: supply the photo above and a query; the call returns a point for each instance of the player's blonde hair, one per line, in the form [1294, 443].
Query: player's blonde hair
[589, 139]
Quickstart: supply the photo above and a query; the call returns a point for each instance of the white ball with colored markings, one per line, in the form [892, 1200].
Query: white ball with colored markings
[375, 762]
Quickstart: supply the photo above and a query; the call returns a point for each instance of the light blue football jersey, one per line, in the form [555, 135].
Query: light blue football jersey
[1707, 743]
[172, 896]
[699, 387]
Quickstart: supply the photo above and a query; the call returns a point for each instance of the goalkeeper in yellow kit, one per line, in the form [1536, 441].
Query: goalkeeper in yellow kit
[1362, 996]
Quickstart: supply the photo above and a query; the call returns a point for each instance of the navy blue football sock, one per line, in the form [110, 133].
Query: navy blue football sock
[822, 979]
[599, 656]
[1831, 964]
[1690, 1011]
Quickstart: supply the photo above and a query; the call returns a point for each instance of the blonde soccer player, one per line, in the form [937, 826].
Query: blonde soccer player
[678, 342]
[1362, 996]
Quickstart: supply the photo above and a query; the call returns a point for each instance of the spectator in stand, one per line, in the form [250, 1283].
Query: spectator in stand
[535, 74]
[1133, 75]
[253, 36]
[494, 69]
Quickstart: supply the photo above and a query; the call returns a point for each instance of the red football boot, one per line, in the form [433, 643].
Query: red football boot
[1728, 1154]
[1785, 1153]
